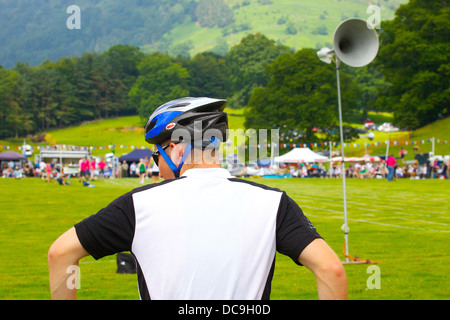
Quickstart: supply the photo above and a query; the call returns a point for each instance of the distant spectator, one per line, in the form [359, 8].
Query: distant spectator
[133, 169]
[155, 173]
[5, 172]
[125, 169]
[92, 167]
[17, 173]
[27, 170]
[141, 169]
[391, 163]
[399, 172]
[402, 153]
[443, 170]
[42, 167]
[48, 171]
[101, 168]
[429, 169]
[60, 179]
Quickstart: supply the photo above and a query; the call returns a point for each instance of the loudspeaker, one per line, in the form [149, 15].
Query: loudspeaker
[355, 43]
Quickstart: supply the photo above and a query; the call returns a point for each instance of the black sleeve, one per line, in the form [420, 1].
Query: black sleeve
[294, 231]
[109, 231]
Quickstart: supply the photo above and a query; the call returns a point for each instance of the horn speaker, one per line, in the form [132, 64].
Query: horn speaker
[355, 42]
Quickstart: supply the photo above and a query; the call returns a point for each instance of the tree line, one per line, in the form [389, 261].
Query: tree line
[280, 88]
[125, 81]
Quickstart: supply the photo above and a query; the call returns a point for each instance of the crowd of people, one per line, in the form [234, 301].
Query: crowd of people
[51, 171]
[89, 166]
[391, 169]
[91, 169]
[145, 168]
[16, 170]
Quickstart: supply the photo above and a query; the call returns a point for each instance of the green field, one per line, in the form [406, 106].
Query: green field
[403, 225]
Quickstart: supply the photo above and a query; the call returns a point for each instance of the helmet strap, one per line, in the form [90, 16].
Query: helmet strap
[176, 170]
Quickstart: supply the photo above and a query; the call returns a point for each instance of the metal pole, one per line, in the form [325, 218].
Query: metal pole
[432, 145]
[343, 160]
[331, 160]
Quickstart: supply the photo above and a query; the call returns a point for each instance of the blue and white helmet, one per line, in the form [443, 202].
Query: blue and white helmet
[182, 114]
[195, 116]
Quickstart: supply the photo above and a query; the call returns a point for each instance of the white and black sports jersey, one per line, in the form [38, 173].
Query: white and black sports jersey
[205, 235]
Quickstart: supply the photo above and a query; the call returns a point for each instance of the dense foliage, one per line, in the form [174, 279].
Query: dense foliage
[301, 98]
[123, 81]
[68, 91]
[416, 62]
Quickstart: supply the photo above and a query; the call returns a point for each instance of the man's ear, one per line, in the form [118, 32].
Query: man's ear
[177, 153]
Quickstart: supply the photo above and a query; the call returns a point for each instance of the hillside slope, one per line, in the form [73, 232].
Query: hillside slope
[34, 30]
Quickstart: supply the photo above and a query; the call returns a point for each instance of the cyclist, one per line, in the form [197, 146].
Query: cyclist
[201, 233]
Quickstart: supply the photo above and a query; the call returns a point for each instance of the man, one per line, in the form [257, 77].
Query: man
[391, 163]
[201, 233]
[101, 168]
[402, 153]
[125, 169]
[92, 167]
[87, 172]
[141, 168]
[133, 167]
[155, 172]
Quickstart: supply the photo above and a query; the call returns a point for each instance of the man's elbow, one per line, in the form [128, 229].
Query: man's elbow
[66, 248]
[55, 253]
[59, 252]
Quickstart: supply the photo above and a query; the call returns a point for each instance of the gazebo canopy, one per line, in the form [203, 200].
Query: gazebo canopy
[136, 155]
[11, 156]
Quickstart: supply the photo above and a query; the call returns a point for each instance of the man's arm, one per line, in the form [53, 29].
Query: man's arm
[66, 251]
[327, 268]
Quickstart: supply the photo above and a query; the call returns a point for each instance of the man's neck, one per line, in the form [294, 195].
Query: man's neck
[198, 166]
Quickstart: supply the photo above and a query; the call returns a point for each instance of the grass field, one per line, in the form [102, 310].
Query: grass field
[404, 225]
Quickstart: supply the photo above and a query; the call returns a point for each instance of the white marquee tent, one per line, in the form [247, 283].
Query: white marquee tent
[299, 155]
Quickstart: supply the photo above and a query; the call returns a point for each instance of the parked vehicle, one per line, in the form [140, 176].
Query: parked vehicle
[388, 127]
[369, 124]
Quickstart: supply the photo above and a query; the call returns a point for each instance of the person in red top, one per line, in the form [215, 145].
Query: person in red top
[84, 169]
[92, 167]
[101, 167]
[48, 170]
[391, 163]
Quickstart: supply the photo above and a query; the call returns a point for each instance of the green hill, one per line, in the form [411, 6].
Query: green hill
[297, 24]
[37, 29]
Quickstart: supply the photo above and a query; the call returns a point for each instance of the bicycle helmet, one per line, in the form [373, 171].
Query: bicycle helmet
[195, 115]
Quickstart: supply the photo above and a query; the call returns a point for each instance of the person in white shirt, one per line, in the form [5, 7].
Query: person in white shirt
[201, 233]
[155, 172]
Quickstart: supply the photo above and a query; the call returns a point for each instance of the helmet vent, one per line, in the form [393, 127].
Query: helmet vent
[178, 105]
